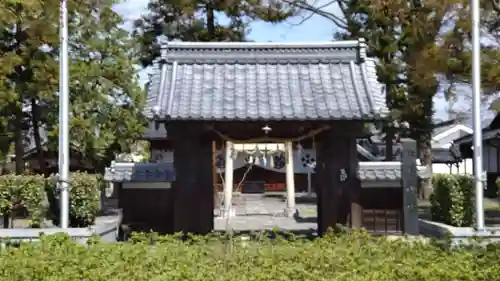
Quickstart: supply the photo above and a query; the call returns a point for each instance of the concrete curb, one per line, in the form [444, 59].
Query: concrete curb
[458, 235]
[107, 230]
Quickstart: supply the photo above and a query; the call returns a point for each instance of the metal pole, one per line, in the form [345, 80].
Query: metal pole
[63, 117]
[476, 111]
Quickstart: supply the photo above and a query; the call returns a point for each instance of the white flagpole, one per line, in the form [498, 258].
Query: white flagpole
[64, 117]
[476, 108]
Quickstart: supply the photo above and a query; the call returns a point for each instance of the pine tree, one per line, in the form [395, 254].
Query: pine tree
[26, 67]
[412, 41]
[196, 20]
[106, 99]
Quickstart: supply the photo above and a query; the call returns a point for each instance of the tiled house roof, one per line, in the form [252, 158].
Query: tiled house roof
[265, 81]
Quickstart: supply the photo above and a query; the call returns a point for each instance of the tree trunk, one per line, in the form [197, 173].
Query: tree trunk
[19, 141]
[389, 139]
[424, 137]
[211, 20]
[425, 149]
[35, 117]
[18, 150]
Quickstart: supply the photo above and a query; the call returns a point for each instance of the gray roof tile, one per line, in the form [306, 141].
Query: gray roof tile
[379, 171]
[386, 171]
[141, 172]
[252, 81]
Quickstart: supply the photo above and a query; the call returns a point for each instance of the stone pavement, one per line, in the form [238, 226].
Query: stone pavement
[265, 212]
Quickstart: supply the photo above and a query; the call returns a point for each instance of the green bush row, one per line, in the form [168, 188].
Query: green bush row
[452, 201]
[32, 192]
[352, 256]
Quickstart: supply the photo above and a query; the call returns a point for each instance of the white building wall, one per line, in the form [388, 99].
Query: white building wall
[465, 167]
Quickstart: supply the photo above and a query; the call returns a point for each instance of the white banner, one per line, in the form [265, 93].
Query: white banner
[303, 161]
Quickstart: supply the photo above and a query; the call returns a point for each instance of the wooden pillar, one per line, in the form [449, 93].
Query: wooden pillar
[228, 181]
[409, 179]
[214, 166]
[290, 180]
[354, 186]
[338, 187]
[192, 189]
[309, 184]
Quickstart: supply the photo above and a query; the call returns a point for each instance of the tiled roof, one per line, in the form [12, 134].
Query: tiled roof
[386, 171]
[264, 81]
[141, 172]
[379, 171]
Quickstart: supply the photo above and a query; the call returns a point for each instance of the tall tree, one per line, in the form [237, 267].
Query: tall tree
[380, 29]
[490, 50]
[196, 20]
[106, 100]
[412, 42]
[26, 67]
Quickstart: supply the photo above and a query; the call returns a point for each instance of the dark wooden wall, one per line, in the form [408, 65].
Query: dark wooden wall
[147, 209]
[382, 210]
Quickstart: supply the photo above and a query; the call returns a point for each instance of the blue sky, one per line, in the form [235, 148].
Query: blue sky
[315, 29]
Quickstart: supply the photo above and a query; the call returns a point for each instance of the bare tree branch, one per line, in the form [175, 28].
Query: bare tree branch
[339, 21]
[496, 5]
[311, 14]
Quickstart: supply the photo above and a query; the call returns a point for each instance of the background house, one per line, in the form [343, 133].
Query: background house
[447, 158]
[491, 152]
[442, 141]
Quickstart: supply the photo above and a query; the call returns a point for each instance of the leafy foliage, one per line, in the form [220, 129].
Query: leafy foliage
[29, 192]
[453, 200]
[17, 192]
[84, 199]
[106, 100]
[350, 256]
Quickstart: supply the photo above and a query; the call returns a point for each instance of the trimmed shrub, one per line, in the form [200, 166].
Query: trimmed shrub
[30, 192]
[19, 192]
[452, 202]
[84, 198]
[350, 257]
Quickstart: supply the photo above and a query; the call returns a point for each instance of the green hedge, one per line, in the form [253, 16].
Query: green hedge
[349, 257]
[30, 192]
[23, 192]
[452, 201]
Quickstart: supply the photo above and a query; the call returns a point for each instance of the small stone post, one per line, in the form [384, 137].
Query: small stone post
[409, 182]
